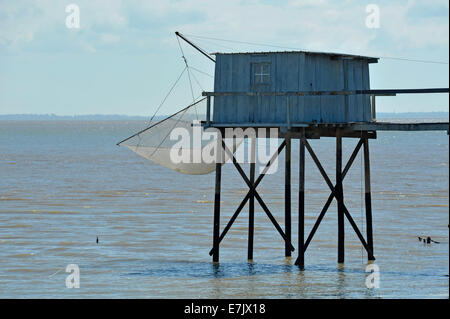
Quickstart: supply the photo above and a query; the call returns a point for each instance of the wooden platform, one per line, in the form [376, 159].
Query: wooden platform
[399, 126]
[317, 130]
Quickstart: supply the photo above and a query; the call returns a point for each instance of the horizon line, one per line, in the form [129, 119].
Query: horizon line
[127, 115]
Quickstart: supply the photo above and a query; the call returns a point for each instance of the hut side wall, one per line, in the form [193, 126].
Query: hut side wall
[290, 72]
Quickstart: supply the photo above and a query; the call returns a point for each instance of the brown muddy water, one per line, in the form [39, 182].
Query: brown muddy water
[65, 183]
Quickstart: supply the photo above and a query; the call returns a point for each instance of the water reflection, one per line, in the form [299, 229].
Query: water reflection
[58, 195]
[340, 282]
[217, 271]
[188, 269]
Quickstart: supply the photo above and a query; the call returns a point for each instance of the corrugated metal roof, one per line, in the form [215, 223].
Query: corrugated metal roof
[341, 55]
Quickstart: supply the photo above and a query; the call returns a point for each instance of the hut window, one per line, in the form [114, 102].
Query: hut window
[261, 72]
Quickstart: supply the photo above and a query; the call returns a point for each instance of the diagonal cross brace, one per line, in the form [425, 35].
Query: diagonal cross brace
[252, 190]
[258, 198]
[330, 198]
[333, 194]
[246, 198]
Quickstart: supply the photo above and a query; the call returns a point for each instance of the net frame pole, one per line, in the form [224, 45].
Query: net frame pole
[169, 117]
[194, 46]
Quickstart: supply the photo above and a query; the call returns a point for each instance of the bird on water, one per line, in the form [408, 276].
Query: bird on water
[427, 240]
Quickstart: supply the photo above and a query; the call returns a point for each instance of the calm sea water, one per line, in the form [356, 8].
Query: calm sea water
[63, 183]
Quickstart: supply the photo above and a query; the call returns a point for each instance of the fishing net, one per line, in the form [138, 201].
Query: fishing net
[179, 142]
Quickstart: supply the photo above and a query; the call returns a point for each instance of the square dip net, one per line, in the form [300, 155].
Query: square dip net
[179, 142]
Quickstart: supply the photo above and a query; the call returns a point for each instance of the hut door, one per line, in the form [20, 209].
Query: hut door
[260, 82]
[261, 76]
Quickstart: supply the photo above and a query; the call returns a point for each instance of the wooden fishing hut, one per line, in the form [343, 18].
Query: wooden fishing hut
[305, 95]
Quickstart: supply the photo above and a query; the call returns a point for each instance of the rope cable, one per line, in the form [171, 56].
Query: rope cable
[176, 123]
[167, 95]
[243, 42]
[159, 107]
[189, 75]
[200, 71]
[167, 118]
[214, 44]
[414, 60]
[198, 83]
[292, 48]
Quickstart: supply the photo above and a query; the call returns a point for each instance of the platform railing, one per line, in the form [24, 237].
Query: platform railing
[372, 93]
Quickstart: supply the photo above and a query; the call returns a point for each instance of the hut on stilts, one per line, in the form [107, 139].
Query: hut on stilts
[302, 95]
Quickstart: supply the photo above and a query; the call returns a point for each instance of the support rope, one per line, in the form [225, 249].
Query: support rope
[189, 76]
[167, 95]
[299, 49]
[160, 105]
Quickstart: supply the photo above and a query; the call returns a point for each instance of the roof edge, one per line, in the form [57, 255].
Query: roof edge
[371, 59]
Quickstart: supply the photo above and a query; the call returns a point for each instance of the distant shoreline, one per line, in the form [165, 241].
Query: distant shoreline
[93, 117]
[115, 117]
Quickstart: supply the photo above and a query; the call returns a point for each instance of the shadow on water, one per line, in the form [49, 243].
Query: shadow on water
[211, 270]
[186, 269]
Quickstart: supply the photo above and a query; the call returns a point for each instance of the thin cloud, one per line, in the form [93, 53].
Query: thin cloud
[316, 25]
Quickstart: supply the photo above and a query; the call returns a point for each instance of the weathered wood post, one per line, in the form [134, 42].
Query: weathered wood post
[301, 208]
[216, 229]
[339, 196]
[251, 203]
[368, 197]
[287, 199]
[374, 114]
[208, 111]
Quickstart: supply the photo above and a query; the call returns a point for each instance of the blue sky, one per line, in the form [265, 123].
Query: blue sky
[125, 56]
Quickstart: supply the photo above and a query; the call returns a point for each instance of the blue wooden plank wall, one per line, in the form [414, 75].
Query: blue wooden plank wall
[291, 71]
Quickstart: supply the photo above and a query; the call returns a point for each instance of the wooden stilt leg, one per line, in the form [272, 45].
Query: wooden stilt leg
[340, 197]
[368, 197]
[331, 197]
[287, 200]
[251, 191]
[301, 208]
[216, 229]
[258, 198]
[251, 218]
